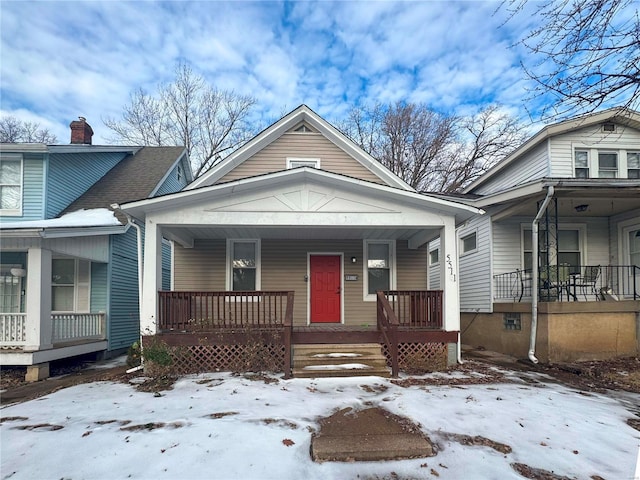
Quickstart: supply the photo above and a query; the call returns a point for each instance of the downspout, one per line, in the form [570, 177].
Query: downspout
[534, 274]
[133, 224]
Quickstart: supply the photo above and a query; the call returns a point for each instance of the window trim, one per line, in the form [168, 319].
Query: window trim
[437, 252]
[315, 161]
[461, 240]
[371, 297]
[229, 266]
[15, 212]
[76, 285]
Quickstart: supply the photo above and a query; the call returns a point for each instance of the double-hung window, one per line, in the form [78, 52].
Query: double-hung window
[633, 165]
[70, 285]
[10, 184]
[581, 164]
[568, 250]
[607, 164]
[379, 266]
[244, 265]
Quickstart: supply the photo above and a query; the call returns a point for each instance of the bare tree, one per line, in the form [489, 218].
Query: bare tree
[586, 54]
[14, 130]
[431, 151]
[188, 111]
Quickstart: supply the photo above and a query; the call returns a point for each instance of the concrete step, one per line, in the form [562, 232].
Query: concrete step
[339, 360]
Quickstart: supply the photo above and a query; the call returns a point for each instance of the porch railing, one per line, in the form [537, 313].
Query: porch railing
[202, 311]
[69, 327]
[417, 308]
[388, 325]
[570, 283]
[13, 329]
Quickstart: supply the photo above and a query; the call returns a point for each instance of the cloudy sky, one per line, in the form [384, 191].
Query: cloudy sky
[61, 60]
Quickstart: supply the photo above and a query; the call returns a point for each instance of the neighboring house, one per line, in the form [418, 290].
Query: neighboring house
[571, 291]
[297, 231]
[68, 264]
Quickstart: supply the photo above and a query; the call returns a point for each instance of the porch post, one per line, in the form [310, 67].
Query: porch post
[38, 300]
[151, 278]
[449, 276]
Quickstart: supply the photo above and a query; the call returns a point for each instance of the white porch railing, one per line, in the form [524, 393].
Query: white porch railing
[69, 327]
[13, 329]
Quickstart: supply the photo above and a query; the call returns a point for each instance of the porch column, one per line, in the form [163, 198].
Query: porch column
[151, 279]
[38, 300]
[449, 276]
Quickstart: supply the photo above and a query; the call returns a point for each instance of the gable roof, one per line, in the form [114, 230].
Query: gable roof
[136, 176]
[621, 115]
[301, 114]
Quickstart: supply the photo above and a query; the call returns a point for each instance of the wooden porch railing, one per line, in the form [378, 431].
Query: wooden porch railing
[388, 326]
[192, 312]
[13, 329]
[70, 327]
[417, 308]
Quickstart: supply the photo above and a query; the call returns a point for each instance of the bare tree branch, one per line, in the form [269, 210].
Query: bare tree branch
[14, 130]
[188, 111]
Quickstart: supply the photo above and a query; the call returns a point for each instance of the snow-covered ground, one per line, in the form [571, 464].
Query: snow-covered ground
[220, 426]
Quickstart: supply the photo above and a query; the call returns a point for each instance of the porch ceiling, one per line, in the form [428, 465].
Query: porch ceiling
[297, 233]
[600, 203]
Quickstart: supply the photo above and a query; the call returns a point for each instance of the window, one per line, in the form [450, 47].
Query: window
[468, 243]
[70, 285]
[303, 162]
[568, 250]
[379, 265]
[633, 165]
[512, 321]
[607, 164]
[582, 164]
[10, 184]
[10, 289]
[434, 256]
[244, 262]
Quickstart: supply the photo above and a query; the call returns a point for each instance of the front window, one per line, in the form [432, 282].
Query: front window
[243, 265]
[10, 184]
[11, 277]
[379, 263]
[70, 280]
[607, 164]
[633, 165]
[568, 249]
[582, 164]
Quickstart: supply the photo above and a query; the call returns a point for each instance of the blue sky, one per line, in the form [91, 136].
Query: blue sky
[61, 60]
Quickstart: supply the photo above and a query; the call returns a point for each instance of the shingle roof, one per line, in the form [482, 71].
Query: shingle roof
[133, 178]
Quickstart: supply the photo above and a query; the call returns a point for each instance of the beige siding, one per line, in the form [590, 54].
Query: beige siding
[284, 266]
[201, 267]
[274, 156]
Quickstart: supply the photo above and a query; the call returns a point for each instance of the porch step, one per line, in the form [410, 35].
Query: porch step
[339, 360]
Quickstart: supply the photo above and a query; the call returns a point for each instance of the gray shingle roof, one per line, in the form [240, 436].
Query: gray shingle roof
[133, 178]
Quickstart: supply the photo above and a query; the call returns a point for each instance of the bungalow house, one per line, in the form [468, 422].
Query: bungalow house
[301, 236]
[68, 264]
[552, 271]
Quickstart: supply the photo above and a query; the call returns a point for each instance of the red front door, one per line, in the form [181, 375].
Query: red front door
[325, 288]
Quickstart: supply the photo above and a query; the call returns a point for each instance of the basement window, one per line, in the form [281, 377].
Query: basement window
[512, 321]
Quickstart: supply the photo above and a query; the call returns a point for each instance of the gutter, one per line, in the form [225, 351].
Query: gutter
[131, 222]
[534, 274]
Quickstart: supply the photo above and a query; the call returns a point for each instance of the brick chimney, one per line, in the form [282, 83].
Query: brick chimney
[81, 132]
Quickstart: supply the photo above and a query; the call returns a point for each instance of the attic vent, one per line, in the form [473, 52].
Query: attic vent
[303, 128]
[608, 127]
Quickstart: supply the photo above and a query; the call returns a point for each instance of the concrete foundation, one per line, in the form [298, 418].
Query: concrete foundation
[37, 372]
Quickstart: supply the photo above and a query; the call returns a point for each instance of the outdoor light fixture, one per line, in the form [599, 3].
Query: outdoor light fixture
[354, 260]
[18, 272]
[582, 208]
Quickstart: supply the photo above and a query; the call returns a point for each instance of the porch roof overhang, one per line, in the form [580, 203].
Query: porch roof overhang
[302, 203]
[602, 197]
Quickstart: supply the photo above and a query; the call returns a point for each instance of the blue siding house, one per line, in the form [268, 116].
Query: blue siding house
[68, 256]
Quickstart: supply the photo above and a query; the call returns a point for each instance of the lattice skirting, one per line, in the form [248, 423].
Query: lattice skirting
[419, 357]
[234, 358]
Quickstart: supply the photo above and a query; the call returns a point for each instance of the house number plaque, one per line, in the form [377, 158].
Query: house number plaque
[351, 278]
